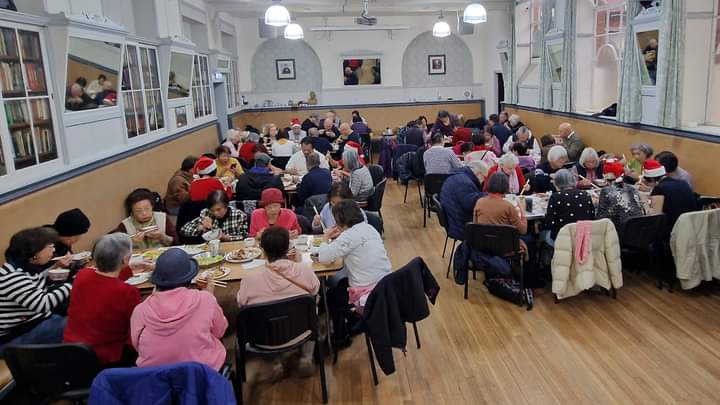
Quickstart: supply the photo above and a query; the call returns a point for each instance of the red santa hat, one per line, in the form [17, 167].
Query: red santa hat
[204, 166]
[614, 167]
[652, 168]
[358, 148]
[295, 122]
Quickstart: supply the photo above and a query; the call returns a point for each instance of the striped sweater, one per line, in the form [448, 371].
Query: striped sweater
[25, 297]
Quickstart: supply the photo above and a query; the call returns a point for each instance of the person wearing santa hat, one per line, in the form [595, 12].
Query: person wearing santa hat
[205, 182]
[618, 201]
[296, 133]
[670, 196]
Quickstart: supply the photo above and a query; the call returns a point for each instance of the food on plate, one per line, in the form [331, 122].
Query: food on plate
[207, 260]
[152, 254]
[243, 254]
[78, 257]
[216, 273]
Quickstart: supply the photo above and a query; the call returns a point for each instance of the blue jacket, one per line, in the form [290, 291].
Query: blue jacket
[321, 145]
[182, 383]
[458, 196]
[316, 181]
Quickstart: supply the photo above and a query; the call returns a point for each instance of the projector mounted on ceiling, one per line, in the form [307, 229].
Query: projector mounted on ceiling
[364, 18]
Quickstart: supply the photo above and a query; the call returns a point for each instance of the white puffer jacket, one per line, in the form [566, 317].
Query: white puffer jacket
[603, 266]
[695, 244]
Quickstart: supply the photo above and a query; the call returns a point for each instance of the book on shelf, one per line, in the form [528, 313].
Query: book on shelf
[11, 77]
[35, 77]
[8, 43]
[15, 113]
[22, 143]
[30, 46]
[44, 140]
[40, 110]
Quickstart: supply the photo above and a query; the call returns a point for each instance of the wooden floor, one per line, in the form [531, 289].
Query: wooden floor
[648, 346]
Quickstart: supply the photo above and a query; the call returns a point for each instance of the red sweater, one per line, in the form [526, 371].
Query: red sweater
[200, 189]
[462, 134]
[247, 152]
[99, 314]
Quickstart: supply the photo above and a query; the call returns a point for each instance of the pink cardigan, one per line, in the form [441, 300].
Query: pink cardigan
[259, 221]
[282, 279]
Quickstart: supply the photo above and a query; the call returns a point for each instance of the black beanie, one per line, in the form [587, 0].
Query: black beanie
[71, 223]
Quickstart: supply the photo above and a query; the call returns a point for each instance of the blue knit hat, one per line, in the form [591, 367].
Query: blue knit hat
[174, 268]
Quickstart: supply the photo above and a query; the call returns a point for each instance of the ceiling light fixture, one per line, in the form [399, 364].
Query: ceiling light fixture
[277, 15]
[294, 31]
[441, 29]
[475, 13]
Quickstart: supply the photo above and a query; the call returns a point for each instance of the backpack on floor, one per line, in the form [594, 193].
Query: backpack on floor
[505, 288]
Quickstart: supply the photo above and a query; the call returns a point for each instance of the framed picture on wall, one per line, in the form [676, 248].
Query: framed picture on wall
[285, 69]
[180, 117]
[436, 64]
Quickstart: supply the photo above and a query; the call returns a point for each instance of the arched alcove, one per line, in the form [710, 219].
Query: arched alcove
[606, 72]
[458, 62]
[308, 74]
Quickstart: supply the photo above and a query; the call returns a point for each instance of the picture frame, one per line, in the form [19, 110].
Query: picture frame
[285, 69]
[180, 117]
[436, 65]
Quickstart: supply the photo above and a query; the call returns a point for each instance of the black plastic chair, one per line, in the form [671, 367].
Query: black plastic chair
[643, 236]
[317, 201]
[375, 221]
[374, 203]
[189, 211]
[442, 217]
[708, 203]
[377, 173]
[53, 372]
[280, 162]
[305, 225]
[433, 184]
[502, 241]
[273, 324]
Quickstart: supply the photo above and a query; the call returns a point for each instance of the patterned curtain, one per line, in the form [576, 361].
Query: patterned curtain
[629, 107]
[568, 85]
[511, 87]
[671, 51]
[545, 69]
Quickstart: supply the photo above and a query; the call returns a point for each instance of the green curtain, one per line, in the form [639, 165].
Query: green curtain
[545, 68]
[567, 84]
[629, 107]
[671, 53]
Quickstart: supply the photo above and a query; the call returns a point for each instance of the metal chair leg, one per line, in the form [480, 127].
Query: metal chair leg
[452, 255]
[372, 359]
[445, 246]
[323, 384]
[417, 337]
[422, 205]
[406, 190]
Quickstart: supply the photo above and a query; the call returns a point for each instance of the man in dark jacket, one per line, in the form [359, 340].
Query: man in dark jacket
[316, 181]
[458, 196]
[311, 121]
[252, 183]
[501, 132]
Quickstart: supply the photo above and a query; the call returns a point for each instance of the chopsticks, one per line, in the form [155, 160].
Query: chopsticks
[322, 225]
[524, 187]
[591, 183]
[220, 283]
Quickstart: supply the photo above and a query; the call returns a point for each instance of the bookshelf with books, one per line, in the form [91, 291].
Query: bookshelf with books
[143, 103]
[202, 103]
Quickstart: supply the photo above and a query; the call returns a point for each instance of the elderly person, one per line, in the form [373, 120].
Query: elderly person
[177, 323]
[249, 148]
[526, 162]
[70, 226]
[640, 153]
[312, 121]
[557, 159]
[227, 166]
[233, 142]
[282, 147]
[618, 201]
[438, 159]
[321, 144]
[347, 135]
[297, 165]
[254, 181]
[459, 193]
[272, 213]
[513, 123]
[329, 130]
[205, 183]
[670, 196]
[178, 188]
[489, 141]
[670, 162]
[270, 131]
[296, 133]
[445, 123]
[101, 303]
[78, 100]
[27, 302]
[220, 215]
[316, 181]
[147, 228]
[589, 168]
[571, 141]
[510, 165]
[523, 134]
[359, 178]
[567, 205]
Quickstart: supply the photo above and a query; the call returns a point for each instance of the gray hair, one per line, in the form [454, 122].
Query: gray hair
[478, 167]
[509, 160]
[253, 137]
[522, 130]
[514, 119]
[314, 132]
[110, 251]
[587, 154]
[232, 134]
[556, 153]
[498, 183]
[564, 180]
[646, 149]
[351, 159]
[312, 160]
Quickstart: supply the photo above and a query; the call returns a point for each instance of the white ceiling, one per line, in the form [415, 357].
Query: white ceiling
[256, 8]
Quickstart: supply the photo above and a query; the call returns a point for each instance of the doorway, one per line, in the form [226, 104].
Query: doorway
[500, 85]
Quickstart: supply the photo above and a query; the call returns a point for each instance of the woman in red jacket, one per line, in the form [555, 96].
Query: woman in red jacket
[509, 165]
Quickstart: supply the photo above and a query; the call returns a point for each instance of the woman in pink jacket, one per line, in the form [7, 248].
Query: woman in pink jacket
[285, 277]
[177, 324]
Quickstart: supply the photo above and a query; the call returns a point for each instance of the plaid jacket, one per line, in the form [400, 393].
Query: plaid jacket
[234, 225]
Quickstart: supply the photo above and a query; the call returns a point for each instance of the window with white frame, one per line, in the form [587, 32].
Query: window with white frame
[610, 22]
[536, 28]
[231, 85]
[142, 100]
[713, 113]
[201, 94]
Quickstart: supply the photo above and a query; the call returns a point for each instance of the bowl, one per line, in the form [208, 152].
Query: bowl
[58, 274]
[211, 235]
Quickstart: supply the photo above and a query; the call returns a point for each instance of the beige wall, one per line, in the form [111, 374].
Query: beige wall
[101, 193]
[378, 118]
[697, 157]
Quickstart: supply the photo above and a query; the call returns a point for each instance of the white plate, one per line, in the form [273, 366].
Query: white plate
[250, 254]
[138, 278]
[193, 250]
[81, 256]
[203, 273]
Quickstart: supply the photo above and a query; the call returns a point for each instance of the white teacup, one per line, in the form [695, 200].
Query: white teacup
[249, 242]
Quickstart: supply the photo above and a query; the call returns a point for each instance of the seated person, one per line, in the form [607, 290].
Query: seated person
[525, 161]
[206, 182]
[640, 153]
[78, 100]
[321, 144]
[329, 131]
[459, 193]
[282, 147]
[317, 181]
[249, 148]
[359, 126]
[295, 132]
[557, 158]
[670, 196]
[297, 163]
[70, 226]
[412, 134]
[670, 162]
[101, 304]
[359, 178]
[27, 301]
[326, 220]
[618, 201]
[284, 277]
[590, 167]
[219, 214]
[568, 205]
[273, 214]
[147, 228]
[498, 128]
[509, 164]
[178, 189]
[108, 95]
[439, 159]
[488, 141]
[445, 123]
[461, 135]
[177, 323]
[524, 135]
[233, 141]
[254, 181]
[547, 141]
[227, 166]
